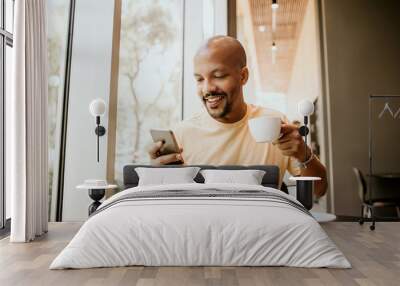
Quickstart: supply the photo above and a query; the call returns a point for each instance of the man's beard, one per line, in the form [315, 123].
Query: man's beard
[219, 112]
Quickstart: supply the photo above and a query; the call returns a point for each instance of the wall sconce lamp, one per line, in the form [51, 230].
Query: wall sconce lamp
[97, 108]
[305, 109]
[305, 185]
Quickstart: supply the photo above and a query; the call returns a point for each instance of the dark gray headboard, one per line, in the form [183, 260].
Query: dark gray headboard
[270, 179]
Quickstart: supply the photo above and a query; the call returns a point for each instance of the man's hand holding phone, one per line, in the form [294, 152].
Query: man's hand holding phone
[165, 149]
[155, 152]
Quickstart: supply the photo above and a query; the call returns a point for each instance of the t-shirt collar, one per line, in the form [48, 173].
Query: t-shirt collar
[229, 125]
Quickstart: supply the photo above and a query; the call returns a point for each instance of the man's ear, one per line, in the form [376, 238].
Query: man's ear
[244, 75]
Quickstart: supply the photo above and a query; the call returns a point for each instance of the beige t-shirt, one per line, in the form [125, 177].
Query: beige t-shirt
[207, 141]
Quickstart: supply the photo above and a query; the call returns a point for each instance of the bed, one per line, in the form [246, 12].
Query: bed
[199, 224]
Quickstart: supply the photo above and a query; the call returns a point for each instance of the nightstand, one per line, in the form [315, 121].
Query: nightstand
[96, 193]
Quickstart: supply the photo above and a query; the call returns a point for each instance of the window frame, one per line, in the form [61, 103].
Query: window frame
[6, 39]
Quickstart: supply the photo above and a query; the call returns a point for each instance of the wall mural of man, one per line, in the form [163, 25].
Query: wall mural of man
[221, 135]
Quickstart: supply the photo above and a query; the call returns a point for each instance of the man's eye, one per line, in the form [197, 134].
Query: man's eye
[220, 76]
[199, 79]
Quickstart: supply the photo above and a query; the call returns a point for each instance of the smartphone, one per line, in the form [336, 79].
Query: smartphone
[168, 138]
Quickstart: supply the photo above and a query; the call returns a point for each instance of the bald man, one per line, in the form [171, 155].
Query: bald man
[221, 135]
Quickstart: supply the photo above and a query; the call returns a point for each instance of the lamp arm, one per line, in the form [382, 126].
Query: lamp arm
[305, 137]
[98, 147]
[98, 137]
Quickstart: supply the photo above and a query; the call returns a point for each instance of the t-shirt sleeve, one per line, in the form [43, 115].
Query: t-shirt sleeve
[293, 167]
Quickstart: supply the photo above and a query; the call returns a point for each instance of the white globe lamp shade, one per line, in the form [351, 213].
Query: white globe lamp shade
[97, 107]
[305, 107]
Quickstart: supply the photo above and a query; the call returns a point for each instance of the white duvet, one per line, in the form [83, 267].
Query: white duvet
[200, 231]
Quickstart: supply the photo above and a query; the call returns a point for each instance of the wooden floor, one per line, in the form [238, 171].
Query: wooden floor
[375, 256]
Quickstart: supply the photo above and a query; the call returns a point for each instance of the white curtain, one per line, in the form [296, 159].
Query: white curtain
[27, 123]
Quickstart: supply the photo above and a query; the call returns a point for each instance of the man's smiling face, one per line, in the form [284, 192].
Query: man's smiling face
[220, 78]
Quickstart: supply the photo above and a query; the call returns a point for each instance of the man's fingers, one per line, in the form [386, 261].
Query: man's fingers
[286, 146]
[170, 158]
[155, 149]
[162, 148]
[283, 140]
[288, 136]
[287, 128]
[287, 153]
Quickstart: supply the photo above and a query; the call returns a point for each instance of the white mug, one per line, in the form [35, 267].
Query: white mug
[265, 128]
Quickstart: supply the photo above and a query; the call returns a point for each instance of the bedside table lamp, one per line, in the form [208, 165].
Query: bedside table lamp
[97, 108]
[305, 185]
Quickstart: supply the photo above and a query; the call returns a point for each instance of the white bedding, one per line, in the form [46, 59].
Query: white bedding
[200, 231]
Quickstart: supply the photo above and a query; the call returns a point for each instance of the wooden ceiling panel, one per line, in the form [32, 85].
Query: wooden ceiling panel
[289, 19]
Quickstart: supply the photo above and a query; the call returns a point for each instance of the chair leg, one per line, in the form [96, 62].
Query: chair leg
[372, 227]
[361, 219]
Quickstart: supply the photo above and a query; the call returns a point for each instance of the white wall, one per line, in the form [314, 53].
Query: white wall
[90, 79]
[362, 56]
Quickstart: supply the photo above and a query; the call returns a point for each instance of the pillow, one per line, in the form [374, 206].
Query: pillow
[162, 176]
[248, 177]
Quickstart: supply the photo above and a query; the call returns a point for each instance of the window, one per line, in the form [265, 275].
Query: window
[150, 76]
[155, 66]
[57, 35]
[6, 43]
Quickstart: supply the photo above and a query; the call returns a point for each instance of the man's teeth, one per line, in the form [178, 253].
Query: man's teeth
[214, 98]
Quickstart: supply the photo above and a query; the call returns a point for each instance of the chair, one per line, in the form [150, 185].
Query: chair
[367, 200]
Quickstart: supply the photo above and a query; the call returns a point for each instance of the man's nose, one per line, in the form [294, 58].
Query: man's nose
[209, 87]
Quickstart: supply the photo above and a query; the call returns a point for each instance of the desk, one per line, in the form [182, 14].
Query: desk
[383, 184]
[385, 175]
